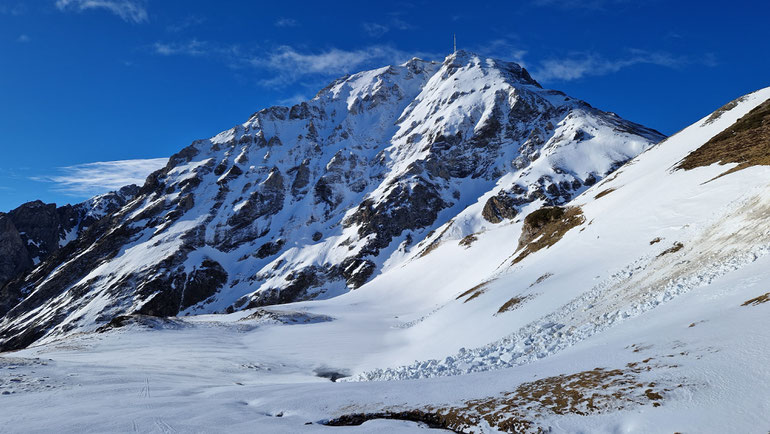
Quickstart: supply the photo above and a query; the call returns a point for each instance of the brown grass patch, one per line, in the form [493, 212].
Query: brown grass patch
[541, 279]
[673, 249]
[512, 304]
[655, 240]
[545, 227]
[604, 193]
[468, 240]
[474, 292]
[437, 242]
[746, 142]
[764, 298]
[722, 110]
[584, 393]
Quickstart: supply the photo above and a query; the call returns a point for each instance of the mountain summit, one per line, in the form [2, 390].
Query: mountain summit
[317, 199]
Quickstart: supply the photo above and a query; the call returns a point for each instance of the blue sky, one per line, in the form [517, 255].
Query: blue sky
[86, 83]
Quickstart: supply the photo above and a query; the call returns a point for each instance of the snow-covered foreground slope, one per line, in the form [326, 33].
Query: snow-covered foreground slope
[647, 313]
[314, 200]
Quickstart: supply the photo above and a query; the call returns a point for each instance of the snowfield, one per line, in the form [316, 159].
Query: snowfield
[646, 317]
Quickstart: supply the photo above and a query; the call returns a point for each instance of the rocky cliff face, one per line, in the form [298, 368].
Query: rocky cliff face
[34, 230]
[316, 199]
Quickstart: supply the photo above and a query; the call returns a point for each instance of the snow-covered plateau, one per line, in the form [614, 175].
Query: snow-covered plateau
[429, 246]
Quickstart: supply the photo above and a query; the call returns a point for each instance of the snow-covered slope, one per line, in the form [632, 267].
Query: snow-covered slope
[317, 199]
[640, 306]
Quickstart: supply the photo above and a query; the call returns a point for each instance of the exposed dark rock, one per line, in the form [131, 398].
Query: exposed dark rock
[274, 181]
[202, 283]
[324, 192]
[220, 169]
[269, 249]
[499, 208]
[357, 271]
[35, 230]
[403, 208]
[40, 225]
[184, 156]
[233, 173]
[14, 257]
[186, 203]
[274, 141]
[299, 282]
[301, 178]
[266, 201]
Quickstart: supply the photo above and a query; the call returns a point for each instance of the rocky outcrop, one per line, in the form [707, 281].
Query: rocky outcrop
[499, 208]
[404, 207]
[32, 232]
[14, 257]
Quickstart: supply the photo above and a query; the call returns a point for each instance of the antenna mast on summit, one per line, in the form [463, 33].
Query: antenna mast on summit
[454, 42]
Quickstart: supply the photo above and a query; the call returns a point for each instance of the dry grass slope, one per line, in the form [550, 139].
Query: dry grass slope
[604, 193]
[722, 110]
[474, 292]
[764, 298]
[468, 240]
[545, 227]
[673, 249]
[746, 142]
[589, 392]
[512, 304]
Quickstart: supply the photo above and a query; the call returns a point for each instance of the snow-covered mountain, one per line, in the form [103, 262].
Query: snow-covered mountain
[309, 202]
[640, 305]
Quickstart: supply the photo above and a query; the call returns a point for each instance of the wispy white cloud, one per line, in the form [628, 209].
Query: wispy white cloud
[400, 24]
[286, 22]
[14, 9]
[289, 64]
[579, 65]
[23, 38]
[333, 60]
[188, 22]
[501, 48]
[132, 11]
[293, 99]
[395, 22]
[193, 47]
[285, 64]
[375, 29]
[100, 177]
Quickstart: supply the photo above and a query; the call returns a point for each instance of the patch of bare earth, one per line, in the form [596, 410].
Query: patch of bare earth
[474, 292]
[722, 110]
[673, 249]
[541, 279]
[545, 227]
[604, 193]
[468, 240]
[764, 298]
[746, 142]
[512, 304]
[435, 243]
[599, 390]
